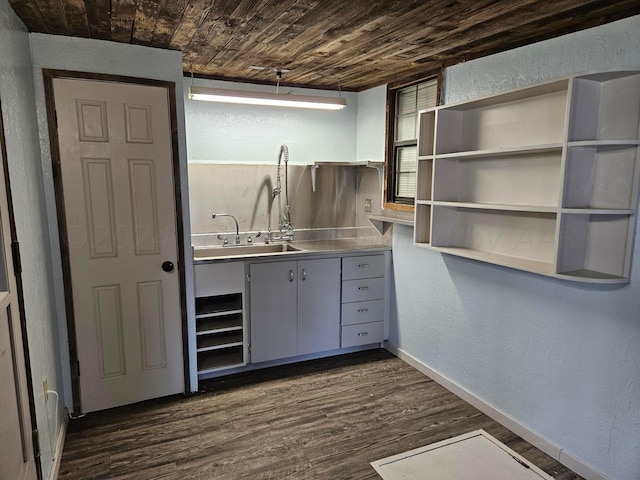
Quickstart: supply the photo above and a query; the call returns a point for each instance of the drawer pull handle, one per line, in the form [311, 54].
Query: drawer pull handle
[363, 265]
[363, 289]
[363, 310]
[363, 334]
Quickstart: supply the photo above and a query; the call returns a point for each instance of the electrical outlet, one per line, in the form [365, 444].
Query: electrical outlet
[367, 205]
[45, 386]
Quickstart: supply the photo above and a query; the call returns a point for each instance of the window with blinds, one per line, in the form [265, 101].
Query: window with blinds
[408, 102]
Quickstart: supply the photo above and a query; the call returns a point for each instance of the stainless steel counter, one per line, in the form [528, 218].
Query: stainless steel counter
[261, 250]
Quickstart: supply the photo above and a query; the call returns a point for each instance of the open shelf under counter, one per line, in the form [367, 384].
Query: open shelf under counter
[216, 360]
[226, 323]
[535, 266]
[218, 305]
[205, 343]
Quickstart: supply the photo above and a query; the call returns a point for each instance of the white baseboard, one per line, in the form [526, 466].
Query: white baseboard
[533, 438]
[55, 468]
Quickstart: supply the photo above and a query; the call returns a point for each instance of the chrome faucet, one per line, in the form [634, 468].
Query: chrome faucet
[285, 226]
[234, 219]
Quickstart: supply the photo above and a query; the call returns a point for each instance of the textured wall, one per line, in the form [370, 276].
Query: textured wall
[56, 52]
[23, 157]
[372, 119]
[561, 358]
[250, 134]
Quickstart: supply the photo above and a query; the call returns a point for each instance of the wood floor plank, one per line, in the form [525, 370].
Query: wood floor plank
[324, 419]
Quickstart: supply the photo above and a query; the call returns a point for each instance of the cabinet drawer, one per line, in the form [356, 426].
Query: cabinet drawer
[219, 278]
[363, 267]
[362, 312]
[362, 334]
[361, 290]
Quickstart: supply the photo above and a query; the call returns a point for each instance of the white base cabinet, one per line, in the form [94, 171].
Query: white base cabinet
[543, 179]
[295, 308]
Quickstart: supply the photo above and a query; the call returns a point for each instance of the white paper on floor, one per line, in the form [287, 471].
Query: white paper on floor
[475, 455]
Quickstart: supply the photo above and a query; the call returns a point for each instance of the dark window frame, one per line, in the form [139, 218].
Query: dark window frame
[390, 178]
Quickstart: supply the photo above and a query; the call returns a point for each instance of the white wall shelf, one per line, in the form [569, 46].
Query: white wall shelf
[543, 179]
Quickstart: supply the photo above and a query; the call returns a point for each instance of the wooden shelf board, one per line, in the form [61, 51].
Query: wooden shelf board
[497, 152]
[604, 143]
[382, 222]
[591, 276]
[535, 266]
[220, 304]
[216, 362]
[220, 313]
[511, 96]
[219, 330]
[219, 347]
[222, 325]
[493, 206]
[597, 211]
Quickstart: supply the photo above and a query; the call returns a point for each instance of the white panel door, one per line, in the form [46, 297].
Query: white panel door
[274, 323]
[118, 186]
[16, 450]
[318, 305]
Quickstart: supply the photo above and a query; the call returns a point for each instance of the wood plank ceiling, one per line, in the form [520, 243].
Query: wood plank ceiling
[358, 44]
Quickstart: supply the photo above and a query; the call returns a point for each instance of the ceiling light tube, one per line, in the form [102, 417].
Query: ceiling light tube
[266, 98]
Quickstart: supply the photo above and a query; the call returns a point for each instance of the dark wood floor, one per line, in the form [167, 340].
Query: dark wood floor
[325, 419]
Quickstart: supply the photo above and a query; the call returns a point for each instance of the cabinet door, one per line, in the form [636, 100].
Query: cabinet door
[318, 305]
[274, 332]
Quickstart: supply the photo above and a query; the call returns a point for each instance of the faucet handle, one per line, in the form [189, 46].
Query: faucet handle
[225, 240]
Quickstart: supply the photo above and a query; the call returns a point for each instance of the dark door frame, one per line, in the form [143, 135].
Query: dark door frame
[17, 272]
[49, 75]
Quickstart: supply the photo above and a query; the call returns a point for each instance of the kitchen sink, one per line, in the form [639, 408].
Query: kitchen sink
[242, 250]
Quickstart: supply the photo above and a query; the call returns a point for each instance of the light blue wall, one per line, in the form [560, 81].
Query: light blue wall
[371, 124]
[96, 56]
[218, 132]
[23, 157]
[561, 358]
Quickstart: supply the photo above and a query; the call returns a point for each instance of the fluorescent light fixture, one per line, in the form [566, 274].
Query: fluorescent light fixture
[266, 98]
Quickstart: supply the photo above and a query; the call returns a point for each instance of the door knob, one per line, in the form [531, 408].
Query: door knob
[167, 266]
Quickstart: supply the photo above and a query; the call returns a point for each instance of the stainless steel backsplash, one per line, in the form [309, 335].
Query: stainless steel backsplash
[334, 210]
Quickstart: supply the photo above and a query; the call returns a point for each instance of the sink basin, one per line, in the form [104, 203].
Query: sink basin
[242, 250]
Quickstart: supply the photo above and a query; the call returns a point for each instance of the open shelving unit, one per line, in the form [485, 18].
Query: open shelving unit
[543, 179]
[219, 332]
[220, 326]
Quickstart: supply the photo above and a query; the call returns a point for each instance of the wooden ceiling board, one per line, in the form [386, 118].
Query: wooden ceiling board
[357, 44]
[169, 17]
[76, 15]
[98, 18]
